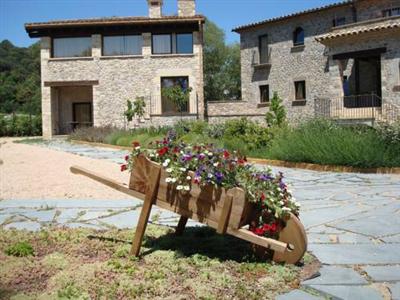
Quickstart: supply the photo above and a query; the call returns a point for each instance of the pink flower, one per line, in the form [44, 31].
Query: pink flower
[123, 168]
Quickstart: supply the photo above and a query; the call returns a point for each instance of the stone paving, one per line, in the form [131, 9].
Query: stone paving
[352, 221]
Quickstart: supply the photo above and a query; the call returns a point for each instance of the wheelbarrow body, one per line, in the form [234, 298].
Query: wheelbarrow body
[226, 210]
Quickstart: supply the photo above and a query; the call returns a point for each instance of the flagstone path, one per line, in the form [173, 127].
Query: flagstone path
[352, 221]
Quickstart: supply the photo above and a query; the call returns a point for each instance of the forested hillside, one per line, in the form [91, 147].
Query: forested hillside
[19, 78]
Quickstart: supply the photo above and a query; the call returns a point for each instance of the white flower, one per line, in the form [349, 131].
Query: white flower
[137, 147]
[151, 154]
[298, 205]
[179, 187]
[169, 170]
[166, 162]
[210, 175]
[182, 169]
[281, 202]
[215, 164]
[168, 179]
[173, 180]
[286, 209]
[188, 178]
[186, 188]
[278, 189]
[210, 154]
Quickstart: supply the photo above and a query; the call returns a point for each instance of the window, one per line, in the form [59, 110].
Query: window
[391, 12]
[162, 43]
[181, 43]
[72, 47]
[122, 45]
[300, 90]
[263, 49]
[184, 43]
[264, 93]
[168, 107]
[298, 37]
[339, 21]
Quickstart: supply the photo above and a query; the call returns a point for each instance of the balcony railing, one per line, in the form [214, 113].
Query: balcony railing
[361, 108]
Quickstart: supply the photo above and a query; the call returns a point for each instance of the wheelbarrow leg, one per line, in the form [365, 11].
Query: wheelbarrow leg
[150, 198]
[181, 225]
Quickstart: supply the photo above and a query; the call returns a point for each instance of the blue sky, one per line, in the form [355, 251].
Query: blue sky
[226, 13]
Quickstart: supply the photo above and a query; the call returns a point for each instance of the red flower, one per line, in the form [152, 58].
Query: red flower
[127, 157]
[226, 154]
[241, 161]
[123, 168]
[162, 151]
[176, 150]
[259, 231]
[262, 197]
[135, 144]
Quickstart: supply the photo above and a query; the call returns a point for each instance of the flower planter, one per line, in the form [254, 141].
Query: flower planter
[227, 211]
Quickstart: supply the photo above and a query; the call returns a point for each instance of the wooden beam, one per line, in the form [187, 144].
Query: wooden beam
[181, 225]
[226, 211]
[71, 83]
[362, 53]
[150, 198]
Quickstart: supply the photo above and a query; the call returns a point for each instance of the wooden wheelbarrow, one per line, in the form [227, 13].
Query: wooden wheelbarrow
[227, 211]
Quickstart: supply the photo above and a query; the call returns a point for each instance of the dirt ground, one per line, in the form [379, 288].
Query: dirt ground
[32, 172]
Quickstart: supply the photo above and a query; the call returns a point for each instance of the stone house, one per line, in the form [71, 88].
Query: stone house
[340, 61]
[91, 67]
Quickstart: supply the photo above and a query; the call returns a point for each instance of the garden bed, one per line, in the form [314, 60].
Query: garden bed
[315, 142]
[83, 263]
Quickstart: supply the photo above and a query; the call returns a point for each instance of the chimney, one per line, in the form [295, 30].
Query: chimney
[155, 7]
[186, 8]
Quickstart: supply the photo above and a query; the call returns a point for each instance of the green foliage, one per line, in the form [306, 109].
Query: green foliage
[324, 142]
[276, 116]
[221, 65]
[135, 109]
[178, 96]
[20, 249]
[19, 78]
[20, 125]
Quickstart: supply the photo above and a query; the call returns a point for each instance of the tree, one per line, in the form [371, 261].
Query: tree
[135, 109]
[276, 116]
[178, 96]
[19, 78]
[221, 65]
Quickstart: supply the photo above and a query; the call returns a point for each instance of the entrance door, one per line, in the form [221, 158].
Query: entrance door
[82, 114]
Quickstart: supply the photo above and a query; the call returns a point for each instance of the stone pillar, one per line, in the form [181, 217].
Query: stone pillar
[45, 51]
[96, 45]
[155, 8]
[198, 50]
[186, 8]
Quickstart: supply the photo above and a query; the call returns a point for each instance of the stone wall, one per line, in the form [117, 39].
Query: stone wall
[312, 62]
[220, 111]
[121, 78]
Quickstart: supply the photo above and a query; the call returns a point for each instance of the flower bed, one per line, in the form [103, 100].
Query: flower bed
[221, 168]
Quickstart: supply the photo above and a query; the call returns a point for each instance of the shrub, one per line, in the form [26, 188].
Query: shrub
[276, 116]
[20, 125]
[324, 142]
[20, 249]
[93, 134]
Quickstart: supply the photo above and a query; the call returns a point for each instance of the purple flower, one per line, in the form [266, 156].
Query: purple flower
[201, 156]
[282, 185]
[219, 176]
[264, 177]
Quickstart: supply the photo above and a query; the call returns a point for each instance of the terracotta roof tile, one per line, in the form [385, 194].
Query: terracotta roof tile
[112, 21]
[296, 14]
[359, 28]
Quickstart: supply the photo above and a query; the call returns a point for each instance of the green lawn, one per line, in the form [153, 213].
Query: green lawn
[88, 264]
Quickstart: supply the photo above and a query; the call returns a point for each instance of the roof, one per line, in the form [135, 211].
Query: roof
[296, 14]
[362, 27]
[113, 21]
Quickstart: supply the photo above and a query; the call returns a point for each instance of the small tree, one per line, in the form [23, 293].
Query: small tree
[135, 109]
[276, 116]
[178, 96]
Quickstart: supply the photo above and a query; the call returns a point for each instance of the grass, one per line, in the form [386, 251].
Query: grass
[87, 264]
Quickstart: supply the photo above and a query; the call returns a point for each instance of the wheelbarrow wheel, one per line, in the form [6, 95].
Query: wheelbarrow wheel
[295, 236]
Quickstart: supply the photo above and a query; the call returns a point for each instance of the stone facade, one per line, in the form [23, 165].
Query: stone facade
[313, 62]
[112, 80]
[186, 8]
